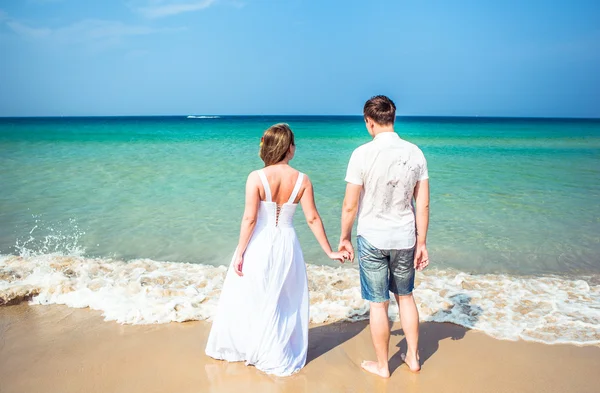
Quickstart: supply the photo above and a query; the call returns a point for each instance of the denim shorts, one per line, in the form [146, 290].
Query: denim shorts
[382, 271]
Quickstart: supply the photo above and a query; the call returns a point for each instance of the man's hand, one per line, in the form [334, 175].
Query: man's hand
[346, 245]
[421, 257]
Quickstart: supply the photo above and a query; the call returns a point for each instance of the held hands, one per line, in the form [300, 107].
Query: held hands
[346, 246]
[340, 256]
[421, 257]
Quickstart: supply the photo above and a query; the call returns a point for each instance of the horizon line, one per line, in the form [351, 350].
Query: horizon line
[484, 117]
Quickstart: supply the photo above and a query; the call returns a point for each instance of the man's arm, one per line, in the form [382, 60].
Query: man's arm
[421, 194]
[349, 210]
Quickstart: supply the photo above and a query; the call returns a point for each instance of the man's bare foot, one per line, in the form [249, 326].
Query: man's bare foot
[412, 362]
[374, 368]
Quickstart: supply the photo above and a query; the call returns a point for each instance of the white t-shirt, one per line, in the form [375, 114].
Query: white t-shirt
[388, 168]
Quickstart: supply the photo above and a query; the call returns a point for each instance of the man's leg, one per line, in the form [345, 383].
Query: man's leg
[409, 317]
[374, 284]
[380, 334]
[402, 284]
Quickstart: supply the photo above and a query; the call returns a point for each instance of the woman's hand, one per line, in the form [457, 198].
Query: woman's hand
[238, 263]
[340, 256]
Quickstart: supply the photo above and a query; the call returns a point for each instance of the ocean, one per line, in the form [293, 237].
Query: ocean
[139, 217]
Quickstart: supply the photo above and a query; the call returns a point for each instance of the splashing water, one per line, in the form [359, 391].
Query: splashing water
[58, 238]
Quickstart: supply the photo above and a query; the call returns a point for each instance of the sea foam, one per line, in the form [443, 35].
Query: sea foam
[142, 291]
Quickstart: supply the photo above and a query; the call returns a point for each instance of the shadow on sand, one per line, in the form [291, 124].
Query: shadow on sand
[431, 333]
[322, 339]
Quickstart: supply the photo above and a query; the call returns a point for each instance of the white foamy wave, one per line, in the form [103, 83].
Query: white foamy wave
[203, 117]
[142, 291]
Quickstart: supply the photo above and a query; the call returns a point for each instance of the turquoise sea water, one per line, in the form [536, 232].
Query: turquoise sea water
[97, 212]
[518, 196]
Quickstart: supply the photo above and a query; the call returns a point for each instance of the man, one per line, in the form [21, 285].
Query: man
[383, 177]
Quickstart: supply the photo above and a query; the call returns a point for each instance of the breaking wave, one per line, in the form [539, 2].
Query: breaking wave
[143, 291]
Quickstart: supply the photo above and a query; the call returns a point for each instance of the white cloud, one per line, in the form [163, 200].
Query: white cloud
[99, 29]
[88, 30]
[160, 9]
[28, 31]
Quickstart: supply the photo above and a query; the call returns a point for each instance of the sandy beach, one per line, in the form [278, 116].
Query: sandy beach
[60, 349]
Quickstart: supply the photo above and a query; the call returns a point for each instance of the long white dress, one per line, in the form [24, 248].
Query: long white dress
[262, 317]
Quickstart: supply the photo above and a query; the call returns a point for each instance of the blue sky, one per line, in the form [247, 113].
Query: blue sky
[154, 57]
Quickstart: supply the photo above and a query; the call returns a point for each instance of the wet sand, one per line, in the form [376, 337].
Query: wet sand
[58, 349]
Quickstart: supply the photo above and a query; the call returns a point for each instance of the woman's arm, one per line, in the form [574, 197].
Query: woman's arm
[248, 219]
[315, 224]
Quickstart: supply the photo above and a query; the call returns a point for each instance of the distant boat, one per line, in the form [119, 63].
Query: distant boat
[203, 117]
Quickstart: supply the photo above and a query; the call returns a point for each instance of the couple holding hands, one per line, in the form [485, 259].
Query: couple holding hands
[263, 313]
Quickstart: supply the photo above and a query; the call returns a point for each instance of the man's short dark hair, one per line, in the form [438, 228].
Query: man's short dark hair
[381, 110]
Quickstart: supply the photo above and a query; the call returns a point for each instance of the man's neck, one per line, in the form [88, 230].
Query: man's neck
[382, 129]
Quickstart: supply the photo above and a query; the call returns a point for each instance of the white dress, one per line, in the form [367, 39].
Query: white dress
[262, 317]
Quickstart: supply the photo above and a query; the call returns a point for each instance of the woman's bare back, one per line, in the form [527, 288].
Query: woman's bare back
[282, 179]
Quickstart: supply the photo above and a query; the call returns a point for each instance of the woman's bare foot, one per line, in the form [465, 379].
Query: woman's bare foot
[374, 368]
[412, 362]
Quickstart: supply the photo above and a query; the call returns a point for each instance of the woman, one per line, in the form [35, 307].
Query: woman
[262, 317]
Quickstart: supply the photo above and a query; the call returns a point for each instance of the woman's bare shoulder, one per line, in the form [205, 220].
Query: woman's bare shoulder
[253, 177]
